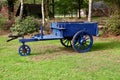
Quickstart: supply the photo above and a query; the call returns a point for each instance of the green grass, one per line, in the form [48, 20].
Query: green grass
[49, 60]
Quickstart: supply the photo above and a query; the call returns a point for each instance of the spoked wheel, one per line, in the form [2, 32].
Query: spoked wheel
[24, 50]
[66, 42]
[82, 41]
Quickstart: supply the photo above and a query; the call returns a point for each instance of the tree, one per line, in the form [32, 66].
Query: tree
[66, 6]
[80, 3]
[43, 15]
[10, 4]
[90, 10]
[21, 8]
[51, 9]
[71, 7]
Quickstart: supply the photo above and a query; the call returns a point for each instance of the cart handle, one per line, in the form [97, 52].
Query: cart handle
[13, 37]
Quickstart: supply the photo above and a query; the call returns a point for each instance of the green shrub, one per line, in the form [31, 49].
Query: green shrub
[2, 21]
[25, 26]
[113, 24]
[5, 24]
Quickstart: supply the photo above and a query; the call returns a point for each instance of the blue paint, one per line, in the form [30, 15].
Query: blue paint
[68, 31]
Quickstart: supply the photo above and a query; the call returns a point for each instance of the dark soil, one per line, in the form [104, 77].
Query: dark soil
[4, 32]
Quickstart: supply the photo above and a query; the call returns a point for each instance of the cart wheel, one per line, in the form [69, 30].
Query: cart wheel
[66, 42]
[24, 50]
[82, 41]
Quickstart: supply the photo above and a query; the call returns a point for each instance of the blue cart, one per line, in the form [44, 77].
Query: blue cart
[71, 34]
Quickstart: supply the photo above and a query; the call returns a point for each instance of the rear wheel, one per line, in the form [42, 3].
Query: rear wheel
[66, 42]
[24, 50]
[82, 41]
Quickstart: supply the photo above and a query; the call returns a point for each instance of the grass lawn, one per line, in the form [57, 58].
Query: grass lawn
[49, 60]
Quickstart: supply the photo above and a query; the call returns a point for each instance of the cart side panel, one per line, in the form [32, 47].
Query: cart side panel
[70, 28]
[57, 30]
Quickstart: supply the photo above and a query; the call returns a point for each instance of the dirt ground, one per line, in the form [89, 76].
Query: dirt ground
[4, 32]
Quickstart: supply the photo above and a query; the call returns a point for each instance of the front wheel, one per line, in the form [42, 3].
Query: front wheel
[24, 50]
[82, 41]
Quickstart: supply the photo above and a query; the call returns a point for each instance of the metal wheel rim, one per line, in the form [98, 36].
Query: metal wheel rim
[24, 50]
[66, 42]
[82, 41]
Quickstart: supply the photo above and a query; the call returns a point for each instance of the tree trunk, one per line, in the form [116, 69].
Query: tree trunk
[34, 1]
[46, 2]
[80, 2]
[53, 8]
[90, 10]
[43, 15]
[21, 9]
[10, 9]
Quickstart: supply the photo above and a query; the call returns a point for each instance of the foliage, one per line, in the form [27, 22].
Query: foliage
[2, 21]
[32, 1]
[85, 4]
[5, 24]
[67, 6]
[113, 24]
[25, 26]
[3, 2]
[0, 5]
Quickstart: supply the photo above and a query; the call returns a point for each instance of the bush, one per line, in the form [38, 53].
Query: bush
[113, 24]
[24, 27]
[5, 24]
[2, 21]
